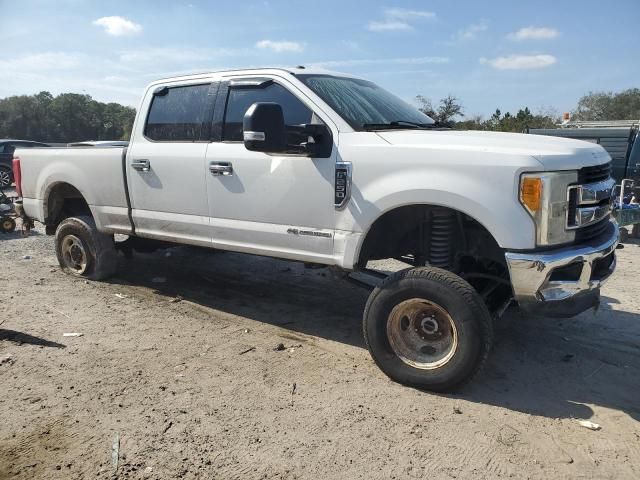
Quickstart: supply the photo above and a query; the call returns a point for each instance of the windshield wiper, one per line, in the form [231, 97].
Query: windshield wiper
[397, 124]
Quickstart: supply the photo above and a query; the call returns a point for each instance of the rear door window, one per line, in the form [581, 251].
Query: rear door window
[177, 114]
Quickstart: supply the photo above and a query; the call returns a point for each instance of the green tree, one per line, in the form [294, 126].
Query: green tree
[448, 109]
[624, 105]
[65, 118]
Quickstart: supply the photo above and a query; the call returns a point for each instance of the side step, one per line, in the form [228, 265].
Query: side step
[366, 278]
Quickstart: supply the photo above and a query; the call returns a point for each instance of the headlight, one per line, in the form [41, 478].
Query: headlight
[544, 196]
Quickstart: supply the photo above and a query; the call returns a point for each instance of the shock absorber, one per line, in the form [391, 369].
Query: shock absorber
[443, 224]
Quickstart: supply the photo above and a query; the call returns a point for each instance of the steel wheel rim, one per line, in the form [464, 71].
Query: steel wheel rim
[5, 178]
[422, 334]
[74, 254]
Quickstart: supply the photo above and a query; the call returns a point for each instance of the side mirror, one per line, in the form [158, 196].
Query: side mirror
[263, 128]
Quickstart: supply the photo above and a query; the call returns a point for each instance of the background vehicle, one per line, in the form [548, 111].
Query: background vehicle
[330, 169]
[620, 138]
[7, 147]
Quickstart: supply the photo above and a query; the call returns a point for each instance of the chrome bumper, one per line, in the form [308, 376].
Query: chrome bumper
[566, 281]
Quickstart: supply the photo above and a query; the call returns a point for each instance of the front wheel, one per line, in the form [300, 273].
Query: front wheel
[83, 251]
[427, 328]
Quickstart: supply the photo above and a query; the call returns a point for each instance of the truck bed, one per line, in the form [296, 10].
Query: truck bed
[44, 169]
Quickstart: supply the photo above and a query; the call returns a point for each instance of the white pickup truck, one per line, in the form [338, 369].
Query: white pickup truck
[329, 169]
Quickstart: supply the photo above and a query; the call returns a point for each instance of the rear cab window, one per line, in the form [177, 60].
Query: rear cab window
[176, 114]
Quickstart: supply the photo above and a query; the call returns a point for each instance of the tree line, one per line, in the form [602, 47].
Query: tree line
[68, 117]
[71, 117]
[624, 105]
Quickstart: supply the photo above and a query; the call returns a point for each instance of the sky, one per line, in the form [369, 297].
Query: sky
[490, 54]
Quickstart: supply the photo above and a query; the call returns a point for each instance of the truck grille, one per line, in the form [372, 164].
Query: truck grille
[588, 210]
[592, 231]
[594, 174]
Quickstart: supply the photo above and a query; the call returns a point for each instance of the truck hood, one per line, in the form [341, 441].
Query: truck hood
[554, 153]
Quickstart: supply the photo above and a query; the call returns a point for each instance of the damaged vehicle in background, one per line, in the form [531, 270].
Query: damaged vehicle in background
[333, 170]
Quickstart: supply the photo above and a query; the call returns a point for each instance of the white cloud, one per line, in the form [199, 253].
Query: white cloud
[281, 46]
[381, 61]
[397, 19]
[469, 33]
[534, 33]
[45, 61]
[404, 14]
[389, 26]
[118, 26]
[520, 62]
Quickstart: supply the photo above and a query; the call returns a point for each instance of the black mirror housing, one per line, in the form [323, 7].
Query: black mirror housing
[263, 128]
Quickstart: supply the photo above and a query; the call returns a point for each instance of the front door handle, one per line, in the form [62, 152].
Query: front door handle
[142, 165]
[221, 168]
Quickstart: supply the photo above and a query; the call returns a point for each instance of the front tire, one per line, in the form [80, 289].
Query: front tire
[83, 251]
[427, 328]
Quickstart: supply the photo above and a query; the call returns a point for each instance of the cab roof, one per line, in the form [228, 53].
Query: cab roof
[253, 71]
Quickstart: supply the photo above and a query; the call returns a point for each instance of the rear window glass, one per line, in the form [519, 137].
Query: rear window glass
[176, 115]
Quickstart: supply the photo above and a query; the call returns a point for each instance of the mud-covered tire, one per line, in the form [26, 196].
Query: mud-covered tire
[7, 224]
[450, 297]
[83, 251]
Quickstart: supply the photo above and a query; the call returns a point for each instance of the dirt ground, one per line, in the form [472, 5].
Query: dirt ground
[182, 377]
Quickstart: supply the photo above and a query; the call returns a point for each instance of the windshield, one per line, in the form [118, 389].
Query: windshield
[363, 104]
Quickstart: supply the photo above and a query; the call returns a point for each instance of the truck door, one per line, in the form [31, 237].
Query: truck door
[279, 205]
[168, 191]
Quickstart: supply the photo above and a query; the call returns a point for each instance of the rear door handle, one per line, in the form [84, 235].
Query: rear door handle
[142, 165]
[221, 168]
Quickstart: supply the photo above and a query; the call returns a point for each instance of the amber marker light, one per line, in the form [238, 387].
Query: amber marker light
[531, 193]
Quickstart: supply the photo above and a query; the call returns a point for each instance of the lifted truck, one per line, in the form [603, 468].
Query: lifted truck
[330, 169]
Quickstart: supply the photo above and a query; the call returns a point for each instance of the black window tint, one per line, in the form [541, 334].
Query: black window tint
[240, 99]
[177, 115]
[9, 148]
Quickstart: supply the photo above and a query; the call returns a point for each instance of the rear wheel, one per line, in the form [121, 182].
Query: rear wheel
[6, 176]
[7, 224]
[83, 251]
[427, 328]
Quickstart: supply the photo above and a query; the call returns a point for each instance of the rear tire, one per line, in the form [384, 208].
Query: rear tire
[427, 328]
[83, 251]
[7, 225]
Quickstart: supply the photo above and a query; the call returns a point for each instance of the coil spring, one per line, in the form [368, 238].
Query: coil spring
[442, 231]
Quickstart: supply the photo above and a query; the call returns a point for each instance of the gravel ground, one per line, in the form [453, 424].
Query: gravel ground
[183, 377]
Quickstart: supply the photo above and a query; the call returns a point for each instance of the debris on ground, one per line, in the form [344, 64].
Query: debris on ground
[27, 257]
[8, 359]
[281, 347]
[166, 429]
[457, 410]
[121, 295]
[589, 425]
[247, 350]
[176, 299]
[246, 330]
[115, 452]
[158, 280]
[73, 334]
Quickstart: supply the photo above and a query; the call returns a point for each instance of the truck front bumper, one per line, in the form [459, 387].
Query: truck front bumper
[566, 281]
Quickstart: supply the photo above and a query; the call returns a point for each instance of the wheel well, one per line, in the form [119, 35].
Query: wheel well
[63, 201]
[442, 237]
